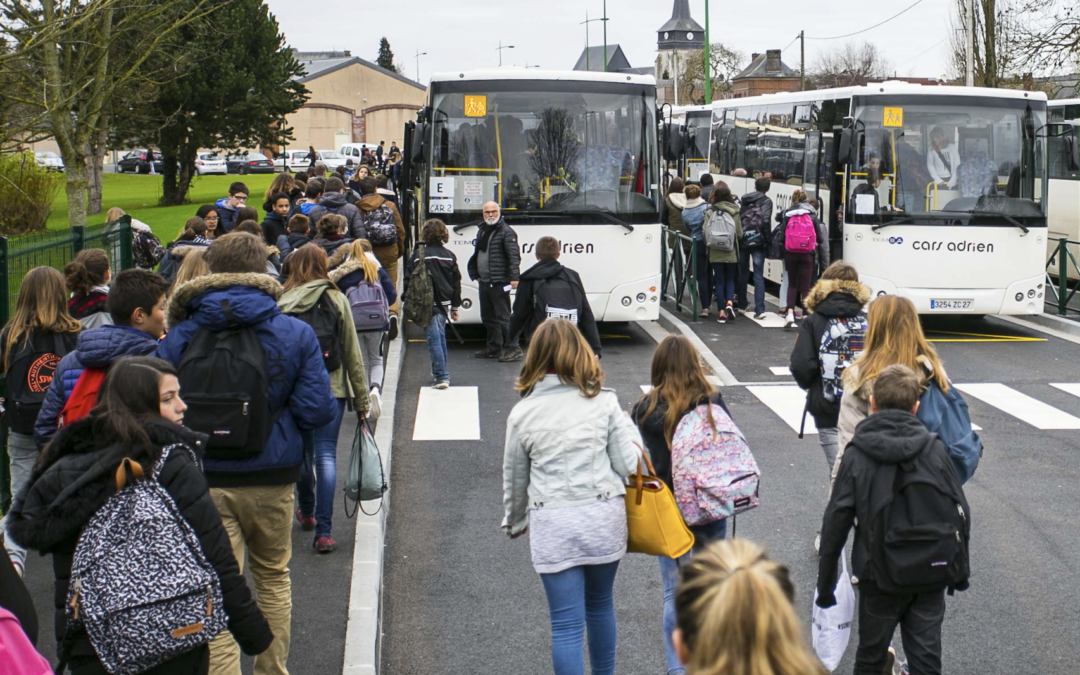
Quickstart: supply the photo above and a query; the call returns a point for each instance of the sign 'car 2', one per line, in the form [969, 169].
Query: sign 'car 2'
[572, 155]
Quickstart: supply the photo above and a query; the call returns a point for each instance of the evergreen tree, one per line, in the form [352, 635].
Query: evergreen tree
[385, 59]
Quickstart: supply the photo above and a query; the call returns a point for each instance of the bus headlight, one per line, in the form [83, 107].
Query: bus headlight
[626, 301]
[1019, 297]
[641, 297]
[1031, 293]
[466, 303]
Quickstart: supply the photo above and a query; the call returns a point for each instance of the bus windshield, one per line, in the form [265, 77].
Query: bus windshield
[947, 160]
[543, 148]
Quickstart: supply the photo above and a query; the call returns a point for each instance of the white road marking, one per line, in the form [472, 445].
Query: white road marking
[447, 415]
[782, 371]
[771, 320]
[788, 402]
[645, 388]
[1021, 406]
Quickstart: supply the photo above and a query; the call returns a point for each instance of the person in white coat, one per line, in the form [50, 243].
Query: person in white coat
[943, 160]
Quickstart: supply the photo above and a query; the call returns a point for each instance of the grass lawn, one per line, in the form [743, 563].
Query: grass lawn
[138, 196]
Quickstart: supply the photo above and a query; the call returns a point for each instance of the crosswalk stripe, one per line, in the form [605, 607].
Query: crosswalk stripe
[447, 415]
[771, 320]
[788, 402]
[1068, 387]
[783, 371]
[645, 388]
[1021, 406]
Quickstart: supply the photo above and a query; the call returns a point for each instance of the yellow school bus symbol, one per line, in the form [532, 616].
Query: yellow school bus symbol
[892, 117]
[475, 106]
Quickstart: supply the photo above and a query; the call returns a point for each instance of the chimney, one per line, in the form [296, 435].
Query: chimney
[348, 53]
[772, 62]
[753, 57]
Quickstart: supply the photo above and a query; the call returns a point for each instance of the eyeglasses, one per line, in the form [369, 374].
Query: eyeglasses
[209, 218]
[240, 198]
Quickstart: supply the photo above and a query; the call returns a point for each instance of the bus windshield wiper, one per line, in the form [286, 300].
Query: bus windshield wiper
[509, 217]
[999, 214]
[614, 220]
[909, 219]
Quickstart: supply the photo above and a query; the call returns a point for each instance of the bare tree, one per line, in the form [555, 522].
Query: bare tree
[997, 53]
[1048, 41]
[850, 65]
[725, 63]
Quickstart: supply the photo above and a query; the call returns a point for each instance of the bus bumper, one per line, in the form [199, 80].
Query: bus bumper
[1020, 298]
[635, 301]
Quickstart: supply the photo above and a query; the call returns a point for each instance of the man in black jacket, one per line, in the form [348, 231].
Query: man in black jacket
[550, 290]
[836, 303]
[495, 266]
[755, 214]
[891, 439]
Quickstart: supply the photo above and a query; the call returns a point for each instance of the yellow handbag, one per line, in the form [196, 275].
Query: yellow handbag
[653, 522]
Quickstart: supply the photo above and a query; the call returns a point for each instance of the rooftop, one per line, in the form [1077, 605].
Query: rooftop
[593, 59]
[767, 65]
[317, 64]
[681, 20]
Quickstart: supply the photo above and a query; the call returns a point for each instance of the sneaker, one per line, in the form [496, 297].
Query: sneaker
[307, 523]
[890, 661]
[441, 384]
[903, 669]
[514, 354]
[392, 332]
[783, 311]
[817, 543]
[790, 321]
[324, 544]
[730, 311]
[703, 314]
[374, 403]
[486, 353]
[722, 318]
[760, 316]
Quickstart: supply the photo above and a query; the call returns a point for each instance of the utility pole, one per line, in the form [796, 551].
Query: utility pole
[418, 55]
[586, 22]
[500, 49]
[971, 43]
[802, 60]
[708, 61]
[605, 35]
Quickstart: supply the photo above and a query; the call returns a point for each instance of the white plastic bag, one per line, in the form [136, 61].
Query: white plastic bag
[830, 629]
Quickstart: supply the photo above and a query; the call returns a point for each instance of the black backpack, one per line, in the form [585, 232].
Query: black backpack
[557, 297]
[325, 320]
[753, 225]
[919, 528]
[29, 376]
[418, 300]
[223, 377]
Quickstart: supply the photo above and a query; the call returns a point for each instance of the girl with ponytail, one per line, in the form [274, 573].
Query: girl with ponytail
[87, 278]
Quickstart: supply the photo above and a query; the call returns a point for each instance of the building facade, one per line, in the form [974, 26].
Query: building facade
[766, 74]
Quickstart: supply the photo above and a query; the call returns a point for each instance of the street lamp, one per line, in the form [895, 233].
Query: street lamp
[418, 55]
[500, 49]
[586, 23]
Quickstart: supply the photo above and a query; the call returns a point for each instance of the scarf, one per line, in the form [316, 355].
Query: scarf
[485, 235]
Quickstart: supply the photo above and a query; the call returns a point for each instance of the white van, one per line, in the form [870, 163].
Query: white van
[354, 151]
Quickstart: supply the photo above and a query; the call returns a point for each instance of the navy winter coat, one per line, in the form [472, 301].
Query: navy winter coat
[97, 348]
[226, 214]
[299, 384]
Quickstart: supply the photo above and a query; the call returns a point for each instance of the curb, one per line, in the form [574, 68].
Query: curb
[1054, 321]
[676, 325]
[363, 636]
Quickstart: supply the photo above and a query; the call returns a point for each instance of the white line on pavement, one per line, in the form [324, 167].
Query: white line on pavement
[783, 371]
[788, 402]
[771, 320]
[448, 414]
[1021, 406]
[727, 379]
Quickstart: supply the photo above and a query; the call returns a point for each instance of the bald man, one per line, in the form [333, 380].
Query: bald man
[495, 266]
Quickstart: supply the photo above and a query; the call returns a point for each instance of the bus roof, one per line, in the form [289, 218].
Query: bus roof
[537, 74]
[888, 88]
[1062, 102]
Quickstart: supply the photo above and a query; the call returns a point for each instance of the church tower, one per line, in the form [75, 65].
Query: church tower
[676, 40]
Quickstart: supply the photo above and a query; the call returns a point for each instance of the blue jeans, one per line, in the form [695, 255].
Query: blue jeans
[669, 575]
[725, 275]
[578, 597]
[318, 473]
[436, 344]
[757, 257]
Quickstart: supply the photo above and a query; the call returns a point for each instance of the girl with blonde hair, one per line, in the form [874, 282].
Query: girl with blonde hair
[32, 343]
[735, 615]
[193, 266]
[568, 447]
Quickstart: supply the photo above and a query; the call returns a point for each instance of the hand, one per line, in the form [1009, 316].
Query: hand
[361, 415]
[513, 284]
[515, 536]
[826, 601]
[453, 315]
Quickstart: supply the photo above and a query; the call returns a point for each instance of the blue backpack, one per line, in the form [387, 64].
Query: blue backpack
[947, 416]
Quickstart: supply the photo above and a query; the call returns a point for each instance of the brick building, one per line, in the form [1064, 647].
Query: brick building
[766, 74]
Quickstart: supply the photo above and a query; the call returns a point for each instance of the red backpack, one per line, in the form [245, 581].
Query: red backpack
[800, 235]
[82, 398]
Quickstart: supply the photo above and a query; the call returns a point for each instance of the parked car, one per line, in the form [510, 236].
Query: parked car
[297, 159]
[49, 160]
[208, 163]
[138, 161]
[355, 151]
[248, 162]
[332, 159]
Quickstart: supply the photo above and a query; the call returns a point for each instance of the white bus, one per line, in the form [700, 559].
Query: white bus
[1064, 173]
[693, 123]
[571, 155]
[970, 240]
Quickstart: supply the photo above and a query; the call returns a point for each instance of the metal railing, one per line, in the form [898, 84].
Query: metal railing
[1062, 288]
[54, 248]
[678, 265]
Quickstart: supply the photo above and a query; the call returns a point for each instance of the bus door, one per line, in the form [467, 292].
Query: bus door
[811, 161]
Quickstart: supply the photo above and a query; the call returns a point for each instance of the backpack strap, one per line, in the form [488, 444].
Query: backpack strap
[128, 464]
[160, 463]
[227, 311]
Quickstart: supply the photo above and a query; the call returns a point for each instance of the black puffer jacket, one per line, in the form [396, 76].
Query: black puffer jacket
[886, 437]
[442, 265]
[828, 299]
[652, 432]
[504, 253]
[44, 520]
[525, 321]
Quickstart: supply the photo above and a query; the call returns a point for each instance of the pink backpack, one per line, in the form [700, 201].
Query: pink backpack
[800, 235]
[16, 653]
[714, 474]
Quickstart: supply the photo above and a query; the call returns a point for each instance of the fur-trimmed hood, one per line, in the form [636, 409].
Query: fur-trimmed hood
[344, 269]
[183, 248]
[824, 287]
[252, 299]
[340, 255]
[75, 476]
[272, 251]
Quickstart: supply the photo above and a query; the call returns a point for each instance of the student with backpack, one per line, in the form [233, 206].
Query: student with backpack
[296, 236]
[68, 511]
[87, 278]
[755, 216]
[369, 293]
[897, 486]
[433, 279]
[568, 448]
[723, 234]
[894, 335]
[382, 227]
[313, 298]
[330, 233]
[693, 217]
[548, 290]
[227, 335]
[830, 339]
[681, 404]
[33, 342]
[137, 308]
[333, 201]
[802, 236]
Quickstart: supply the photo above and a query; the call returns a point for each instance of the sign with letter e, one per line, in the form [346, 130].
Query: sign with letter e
[440, 187]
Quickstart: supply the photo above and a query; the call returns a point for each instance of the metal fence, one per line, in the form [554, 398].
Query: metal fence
[1060, 291]
[55, 248]
[678, 266]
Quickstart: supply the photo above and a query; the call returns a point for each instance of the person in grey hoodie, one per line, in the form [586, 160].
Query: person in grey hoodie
[333, 201]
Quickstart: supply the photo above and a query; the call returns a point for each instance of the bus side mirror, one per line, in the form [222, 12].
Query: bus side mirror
[665, 142]
[843, 150]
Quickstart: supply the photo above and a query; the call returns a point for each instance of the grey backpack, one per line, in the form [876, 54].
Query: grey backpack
[380, 225]
[141, 585]
[719, 228]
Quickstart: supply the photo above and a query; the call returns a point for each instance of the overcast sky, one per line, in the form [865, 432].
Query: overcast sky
[465, 34]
